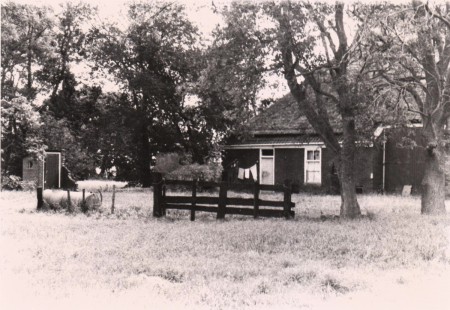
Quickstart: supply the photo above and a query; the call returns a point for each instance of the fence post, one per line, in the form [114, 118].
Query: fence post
[69, 201]
[163, 198]
[84, 207]
[222, 200]
[194, 200]
[113, 199]
[40, 199]
[256, 200]
[157, 194]
[287, 199]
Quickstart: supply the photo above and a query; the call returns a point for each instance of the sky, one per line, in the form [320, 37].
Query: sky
[200, 12]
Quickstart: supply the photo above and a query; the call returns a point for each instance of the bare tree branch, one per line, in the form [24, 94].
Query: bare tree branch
[438, 16]
[410, 89]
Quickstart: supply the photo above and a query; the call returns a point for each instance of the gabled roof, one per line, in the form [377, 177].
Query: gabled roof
[283, 124]
[284, 140]
[284, 117]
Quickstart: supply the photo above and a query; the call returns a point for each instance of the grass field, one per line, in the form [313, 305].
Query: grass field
[391, 258]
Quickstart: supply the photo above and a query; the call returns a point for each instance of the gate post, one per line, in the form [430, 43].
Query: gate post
[40, 199]
[222, 200]
[256, 200]
[287, 199]
[194, 199]
[157, 194]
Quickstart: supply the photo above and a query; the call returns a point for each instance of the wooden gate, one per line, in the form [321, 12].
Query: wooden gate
[223, 204]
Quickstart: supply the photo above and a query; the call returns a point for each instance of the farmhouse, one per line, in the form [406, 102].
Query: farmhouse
[282, 146]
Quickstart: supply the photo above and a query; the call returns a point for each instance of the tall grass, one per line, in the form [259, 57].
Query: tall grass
[236, 263]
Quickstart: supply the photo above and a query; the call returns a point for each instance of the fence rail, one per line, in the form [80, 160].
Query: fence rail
[222, 204]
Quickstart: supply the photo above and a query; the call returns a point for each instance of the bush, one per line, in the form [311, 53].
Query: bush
[11, 182]
[28, 186]
[166, 163]
[209, 172]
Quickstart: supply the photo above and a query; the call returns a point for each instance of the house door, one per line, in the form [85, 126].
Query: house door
[52, 170]
[267, 175]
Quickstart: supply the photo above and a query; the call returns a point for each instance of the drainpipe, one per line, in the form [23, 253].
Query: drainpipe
[383, 185]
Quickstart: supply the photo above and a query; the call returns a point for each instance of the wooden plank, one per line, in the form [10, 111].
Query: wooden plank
[186, 199]
[231, 186]
[194, 199]
[189, 207]
[240, 186]
[249, 187]
[273, 188]
[208, 184]
[178, 182]
[222, 201]
[239, 201]
[230, 210]
[262, 212]
[261, 202]
[189, 183]
[233, 201]
[272, 203]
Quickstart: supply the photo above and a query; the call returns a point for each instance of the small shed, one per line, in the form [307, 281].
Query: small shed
[46, 173]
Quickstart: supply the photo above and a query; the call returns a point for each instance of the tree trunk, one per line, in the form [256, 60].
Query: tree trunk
[349, 207]
[29, 92]
[433, 182]
[144, 157]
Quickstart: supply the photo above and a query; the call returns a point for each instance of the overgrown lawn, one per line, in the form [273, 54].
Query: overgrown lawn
[129, 257]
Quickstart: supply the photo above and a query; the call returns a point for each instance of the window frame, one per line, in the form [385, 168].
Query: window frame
[307, 161]
[267, 156]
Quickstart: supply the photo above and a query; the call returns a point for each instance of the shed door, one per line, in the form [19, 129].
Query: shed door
[52, 169]
[267, 166]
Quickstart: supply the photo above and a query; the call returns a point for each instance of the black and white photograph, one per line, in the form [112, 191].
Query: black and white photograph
[225, 154]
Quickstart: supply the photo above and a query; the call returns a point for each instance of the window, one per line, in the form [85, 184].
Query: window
[313, 155]
[313, 166]
[267, 153]
[30, 164]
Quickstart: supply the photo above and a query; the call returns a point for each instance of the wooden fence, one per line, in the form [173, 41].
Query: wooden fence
[222, 204]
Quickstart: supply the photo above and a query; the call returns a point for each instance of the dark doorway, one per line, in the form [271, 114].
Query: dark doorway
[52, 170]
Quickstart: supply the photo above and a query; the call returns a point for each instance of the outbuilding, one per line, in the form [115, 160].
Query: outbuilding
[48, 173]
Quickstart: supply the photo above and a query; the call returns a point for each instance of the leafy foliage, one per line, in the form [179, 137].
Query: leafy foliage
[11, 182]
[21, 123]
[153, 59]
[24, 46]
[206, 172]
[57, 136]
